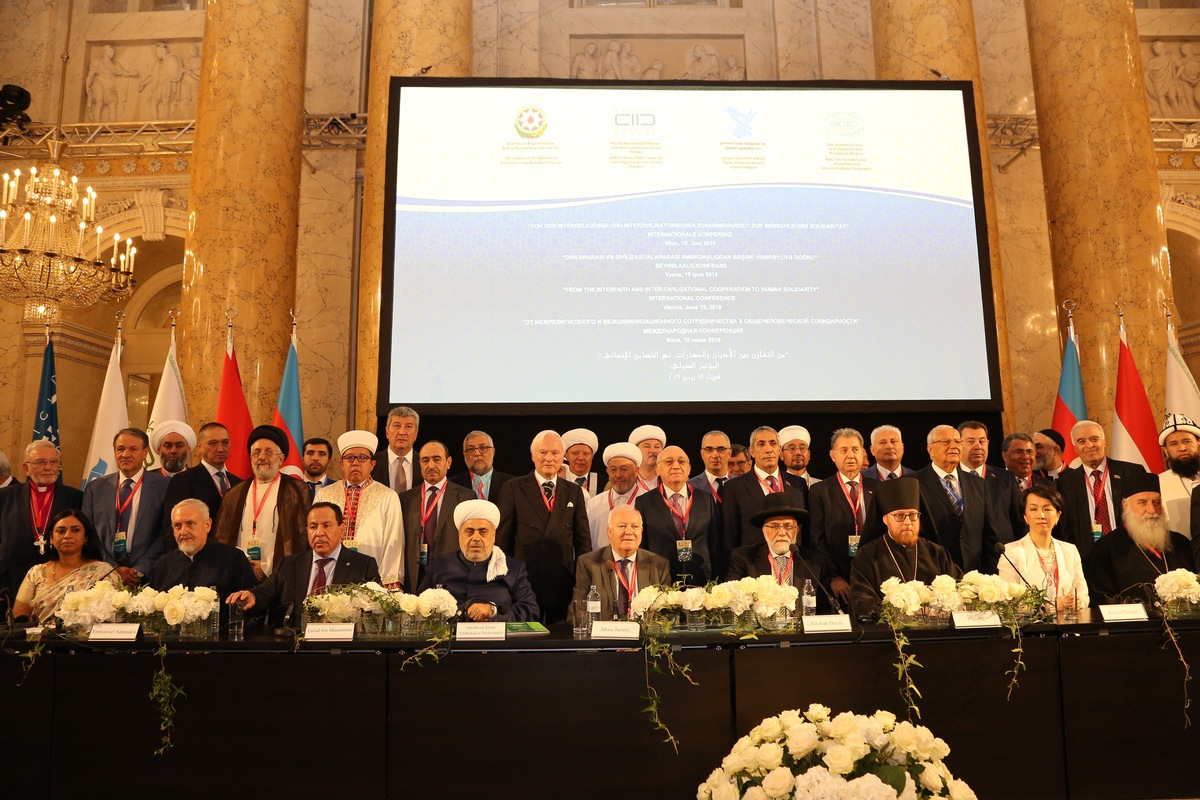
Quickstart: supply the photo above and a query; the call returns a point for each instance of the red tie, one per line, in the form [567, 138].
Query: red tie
[1101, 503]
[773, 483]
[319, 582]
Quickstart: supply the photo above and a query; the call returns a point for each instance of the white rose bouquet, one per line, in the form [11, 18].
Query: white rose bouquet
[99, 603]
[813, 755]
[1178, 586]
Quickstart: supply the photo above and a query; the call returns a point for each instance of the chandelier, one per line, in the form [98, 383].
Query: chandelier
[52, 252]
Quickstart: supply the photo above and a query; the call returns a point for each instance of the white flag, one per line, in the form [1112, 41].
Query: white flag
[169, 403]
[111, 416]
[1182, 395]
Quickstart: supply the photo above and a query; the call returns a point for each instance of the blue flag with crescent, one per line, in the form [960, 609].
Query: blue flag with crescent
[45, 425]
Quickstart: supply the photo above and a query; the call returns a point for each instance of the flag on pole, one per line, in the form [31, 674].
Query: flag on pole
[170, 402]
[288, 416]
[111, 416]
[45, 423]
[1183, 397]
[1069, 407]
[233, 413]
[1135, 434]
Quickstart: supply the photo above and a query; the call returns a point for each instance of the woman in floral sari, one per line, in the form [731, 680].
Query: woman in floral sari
[73, 564]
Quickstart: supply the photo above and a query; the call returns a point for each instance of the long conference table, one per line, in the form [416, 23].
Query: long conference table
[1099, 713]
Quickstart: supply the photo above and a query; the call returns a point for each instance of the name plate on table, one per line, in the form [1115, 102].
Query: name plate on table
[1123, 612]
[114, 632]
[976, 619]
[480, 631]
[826, 623]
[329, 632]
[616, 629]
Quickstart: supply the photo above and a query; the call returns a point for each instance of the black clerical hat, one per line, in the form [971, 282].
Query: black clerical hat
[1136, 484]
[268, 432]
[897, 494]
[778, 504]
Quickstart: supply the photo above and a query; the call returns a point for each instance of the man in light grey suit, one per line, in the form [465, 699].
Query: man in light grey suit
[127, 508]
[621, 569]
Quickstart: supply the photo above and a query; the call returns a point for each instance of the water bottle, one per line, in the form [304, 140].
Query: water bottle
[1051, 592]
[810, 598]
[593, 607]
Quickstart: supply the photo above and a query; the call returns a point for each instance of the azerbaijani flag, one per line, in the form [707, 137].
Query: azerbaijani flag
[1070, 406]
[233, 413]
[1134, 435]
[288, 417]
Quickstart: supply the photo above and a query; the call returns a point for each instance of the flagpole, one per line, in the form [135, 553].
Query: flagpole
[49, 315]
[230, 315]
[173, 313]
[120, 315]
[295, 314]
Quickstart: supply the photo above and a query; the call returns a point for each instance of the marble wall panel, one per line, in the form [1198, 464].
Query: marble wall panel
[323, 292]
[797, 53]
[844, 39]
[517, 38]
[335, 57]
[13, 434]
[1004, 67]
[484, 36]
[31, 60]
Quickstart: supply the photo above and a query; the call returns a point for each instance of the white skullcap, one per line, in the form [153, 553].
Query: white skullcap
[644, 432]
[580, 436]
[351, 439]
[476, 509]
[161, 429]
[623, 450]
[793, 432]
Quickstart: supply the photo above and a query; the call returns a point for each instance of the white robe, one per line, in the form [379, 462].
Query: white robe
[1177, 502]
[379, 528]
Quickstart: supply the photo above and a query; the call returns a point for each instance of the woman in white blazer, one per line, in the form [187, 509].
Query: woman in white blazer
[1038, 553]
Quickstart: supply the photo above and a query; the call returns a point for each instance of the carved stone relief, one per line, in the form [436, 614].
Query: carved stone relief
[1172, 72]
[141, 81]
[658, 58]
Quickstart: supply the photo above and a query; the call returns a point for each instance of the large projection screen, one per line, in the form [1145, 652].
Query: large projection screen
[566, 246]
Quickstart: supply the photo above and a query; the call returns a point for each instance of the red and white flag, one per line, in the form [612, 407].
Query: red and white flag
[233, 413]
[1135, 434]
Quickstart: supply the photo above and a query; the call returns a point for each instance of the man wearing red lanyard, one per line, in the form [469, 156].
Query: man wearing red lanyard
[479, 452]
[621, 460]
[959, 514]
[374, 521]
[1092, 493]
[543, 523]
[25, 513]
[715, 450]
[1124, 564]
[744, 495]
[428, 508]
[650, 439]
[679, 522]
[1004, 498]
[126, 507]
[265, 517]
[621, 568]
[842, 508]
[780, 554]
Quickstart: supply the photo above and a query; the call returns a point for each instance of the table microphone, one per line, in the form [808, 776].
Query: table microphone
[1000, 550]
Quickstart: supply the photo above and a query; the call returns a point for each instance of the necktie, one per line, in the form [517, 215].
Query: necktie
[955, 497]
[1101, 503]
[1022, 483]
[680, 524]
[124, 504]
[785, 578]
[319, 580]
[429, 529]
[222, 482]
[892, 476]
[478, 482]
[548, 490]
[773, 482]
[312, 489]
[975, 472]
[721, 482]
[854, 497]
[582, 482]
[622, 592]
[400, 482]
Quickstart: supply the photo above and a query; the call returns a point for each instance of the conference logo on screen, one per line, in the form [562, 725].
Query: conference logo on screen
[530, 122]
[843, 123]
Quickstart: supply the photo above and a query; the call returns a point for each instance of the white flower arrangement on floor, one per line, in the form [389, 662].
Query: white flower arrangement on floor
[810, 754]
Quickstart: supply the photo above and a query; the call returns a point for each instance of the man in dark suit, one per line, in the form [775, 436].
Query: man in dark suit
[1004, 499]
[172, 440]
[1019, 455]
[742, 497]
[714, 451]
[478, 454]
[428, 509]
[127, 508]
[315, 455]
[207, 482]
[620, 569]
[680, 523]
[543, 523]
[957, 503]
[887, 446]
[1092, 493]
[781, 556]
[309, 572]
[842, 513]
[394, 465]
[25, 513]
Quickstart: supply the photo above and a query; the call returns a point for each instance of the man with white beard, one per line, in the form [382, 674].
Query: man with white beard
[1180, 441]
[1124, 564]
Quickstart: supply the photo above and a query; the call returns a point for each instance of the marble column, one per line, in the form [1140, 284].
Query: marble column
[1102, 193]
[912, 39]
[406, 37]
[240, 250]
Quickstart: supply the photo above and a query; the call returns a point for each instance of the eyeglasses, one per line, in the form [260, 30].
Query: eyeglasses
[795, 448]
[268, 453]
[711, 450]
[945, 442]
[45, 462]
[905, 516]
[786, 527]
[356, 459]
[480, 448]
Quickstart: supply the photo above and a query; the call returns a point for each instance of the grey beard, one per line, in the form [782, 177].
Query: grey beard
[174, 465]
[1147, 533]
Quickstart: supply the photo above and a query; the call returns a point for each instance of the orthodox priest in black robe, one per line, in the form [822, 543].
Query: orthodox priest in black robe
[901, 553]
[1124, 564]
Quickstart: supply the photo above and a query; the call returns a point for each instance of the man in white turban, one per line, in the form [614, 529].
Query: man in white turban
[173, 441]
[488, 585]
